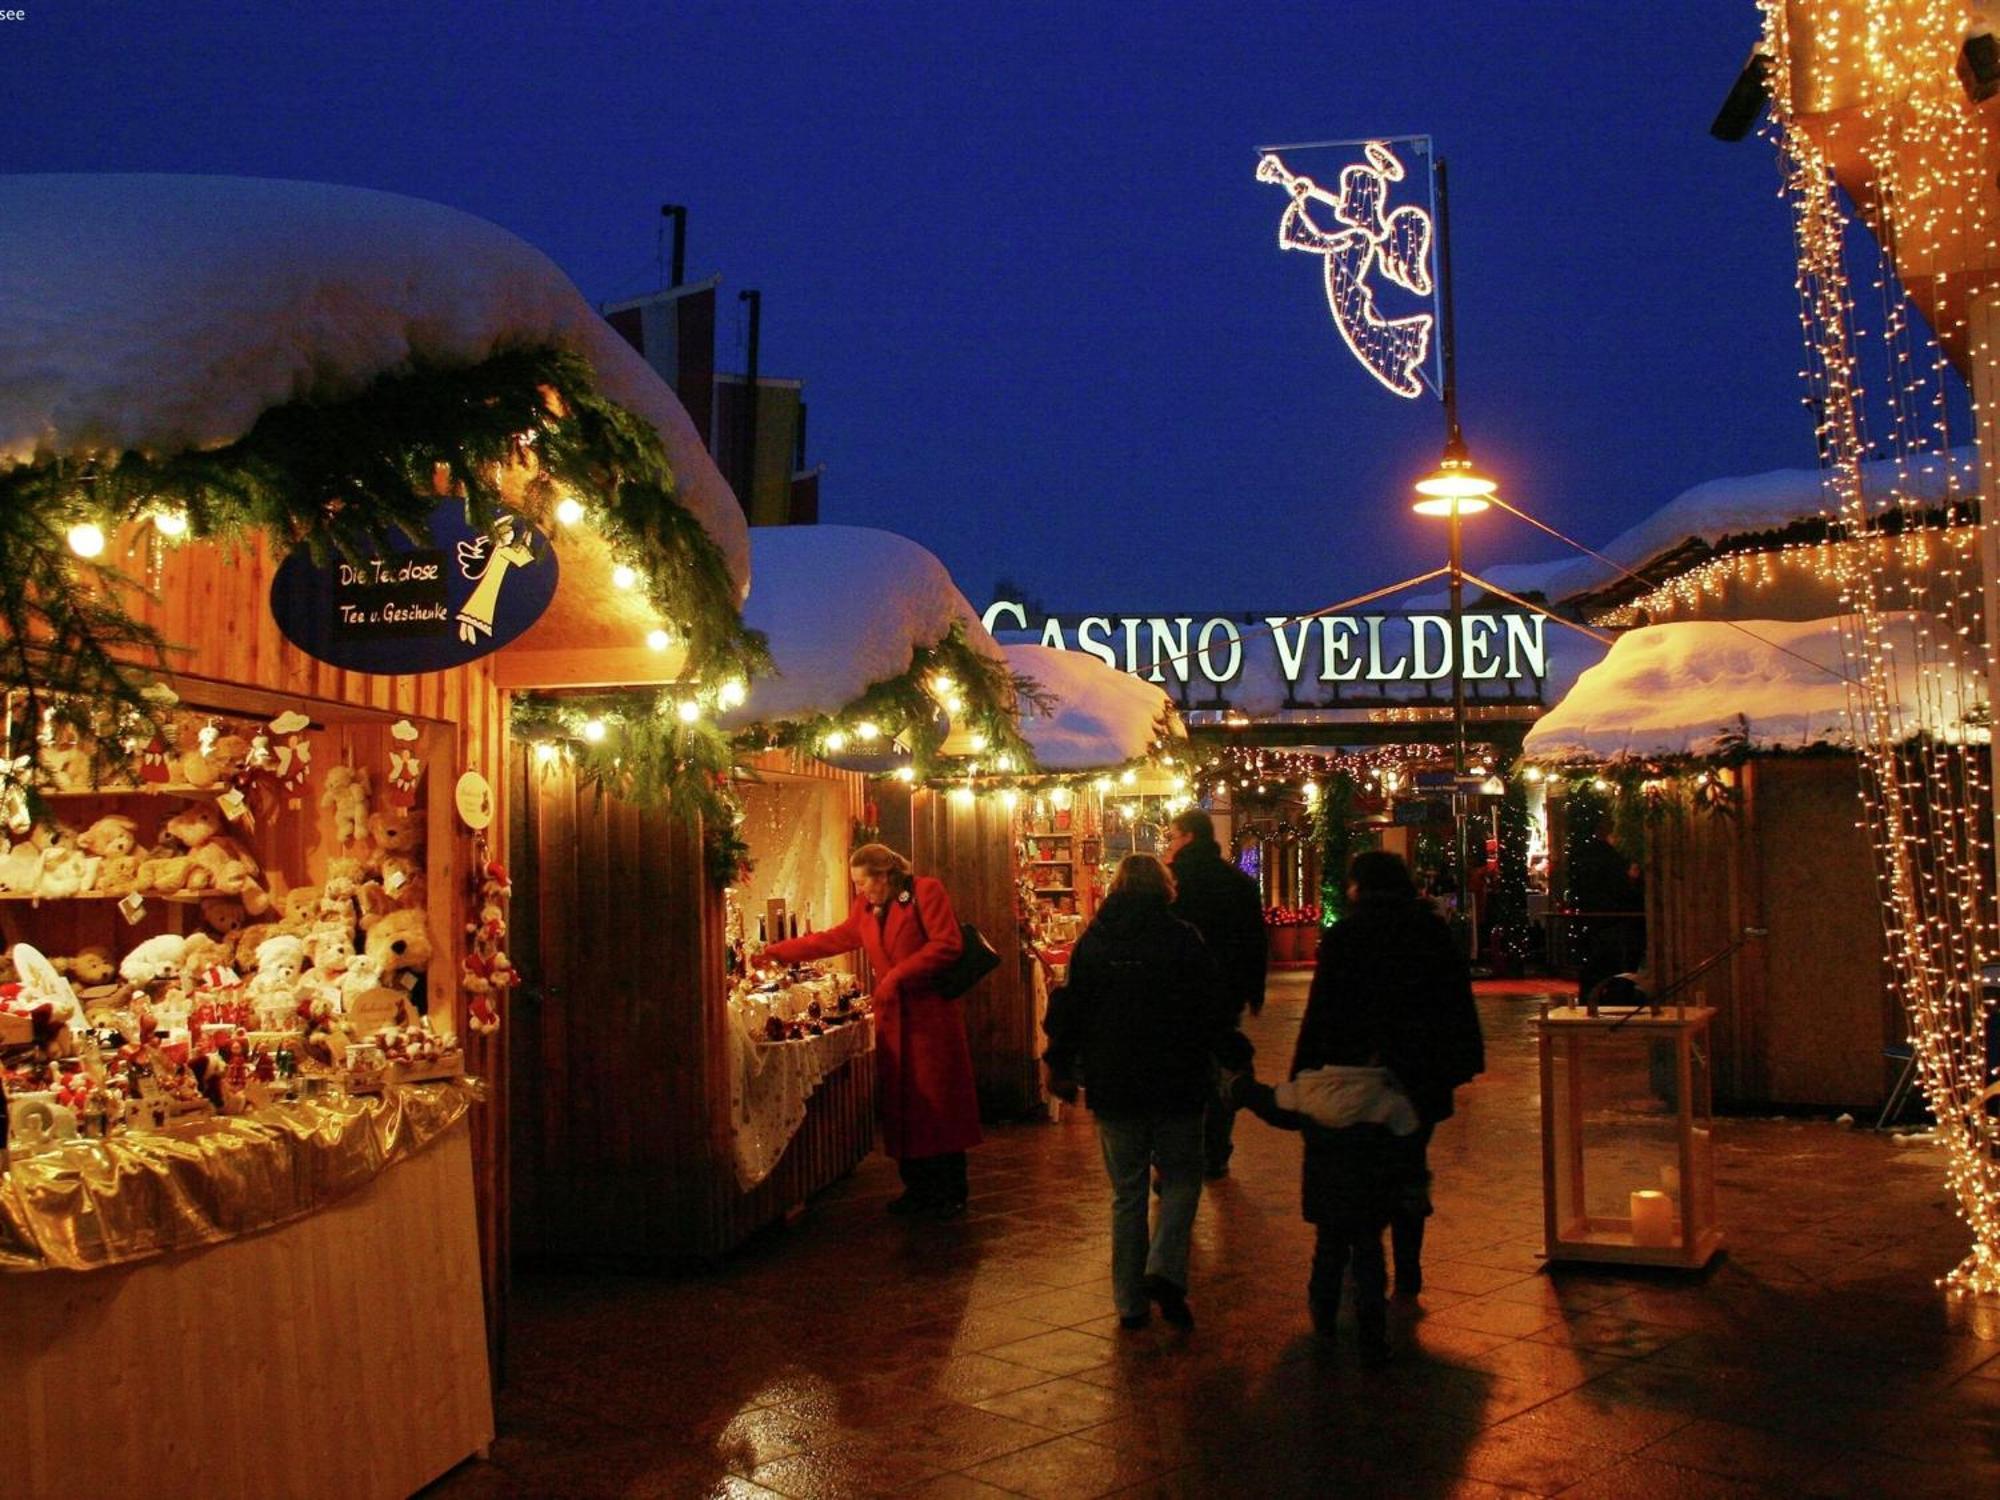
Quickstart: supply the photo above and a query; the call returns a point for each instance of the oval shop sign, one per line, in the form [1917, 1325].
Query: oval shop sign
[410, 607]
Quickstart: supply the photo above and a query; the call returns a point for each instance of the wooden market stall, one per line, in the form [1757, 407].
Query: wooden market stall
[656, 1116]
[334, 731]
[1737, 743]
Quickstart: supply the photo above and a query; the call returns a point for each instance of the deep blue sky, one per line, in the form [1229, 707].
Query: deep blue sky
[1017, 255]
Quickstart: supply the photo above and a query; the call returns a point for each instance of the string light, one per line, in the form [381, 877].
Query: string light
[733, 692]
[688, 711]
[569, 510]
[624, 576]
[868, 731]
[658, 639]
[86, 539]
[836, 740]
[545, 752]
[593, 731]
[905, 773]
[170, 521]
[1927, 802]
[976, 739]
[1396, 243]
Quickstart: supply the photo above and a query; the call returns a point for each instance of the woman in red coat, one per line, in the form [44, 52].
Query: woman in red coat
[923, 1065]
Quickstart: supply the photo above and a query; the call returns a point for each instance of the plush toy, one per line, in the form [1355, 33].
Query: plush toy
[299, 911]
[346, 796]
[223, 864]
[400, 944]
[362, 975]
[403, 879]
[223, 759]
[224, 917]
[70, 768]
[21, 867]
[250, 938]
[373, 901]
[89, 969]
[204, 960]
[394, 831]
[154, 961]
[194, 825]
[330, 946]
[114, 841]
[66, 869]
[274, 992]
[164, 870]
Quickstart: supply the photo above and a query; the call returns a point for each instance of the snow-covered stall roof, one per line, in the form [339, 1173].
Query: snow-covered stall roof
[1749, 503]
[1686, 688]
[843, 607]
[163, 313]
[1102, 717]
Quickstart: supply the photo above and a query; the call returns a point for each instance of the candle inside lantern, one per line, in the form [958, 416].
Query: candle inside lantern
[1652, 1218]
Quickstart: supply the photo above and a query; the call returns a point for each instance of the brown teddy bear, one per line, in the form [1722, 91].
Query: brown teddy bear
[217, 861]
[394, 830]
[250, 938]
[403, 879]
[223, 759]
[114, 841]
[164, 870]
[400, 943]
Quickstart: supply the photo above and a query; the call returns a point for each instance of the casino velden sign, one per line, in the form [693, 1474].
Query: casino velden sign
[1308, 650]
[418, 607]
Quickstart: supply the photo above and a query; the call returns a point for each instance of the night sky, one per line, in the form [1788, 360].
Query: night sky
[1018, 257]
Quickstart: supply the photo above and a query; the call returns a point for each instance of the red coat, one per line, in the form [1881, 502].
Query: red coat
[923, 1065]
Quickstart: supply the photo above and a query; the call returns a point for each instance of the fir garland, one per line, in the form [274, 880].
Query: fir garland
[342, 477]
[1333, 830]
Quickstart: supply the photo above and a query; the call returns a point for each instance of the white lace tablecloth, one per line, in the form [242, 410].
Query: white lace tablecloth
[772, 1082]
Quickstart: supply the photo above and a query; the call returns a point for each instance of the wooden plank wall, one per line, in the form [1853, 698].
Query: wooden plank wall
[970, 847]
[1803, 1013]
[621, 1060]
[213, 606]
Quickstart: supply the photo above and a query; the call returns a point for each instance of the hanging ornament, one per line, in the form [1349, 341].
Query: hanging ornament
[156, 762]
[406, 767]
[485, 972]
[291, 766]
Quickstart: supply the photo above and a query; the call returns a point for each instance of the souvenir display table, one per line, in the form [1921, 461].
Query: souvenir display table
[790, 1034]
[281, 1303]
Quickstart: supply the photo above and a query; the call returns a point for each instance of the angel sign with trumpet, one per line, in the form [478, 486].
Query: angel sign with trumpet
[1366, 239]
[487, 560]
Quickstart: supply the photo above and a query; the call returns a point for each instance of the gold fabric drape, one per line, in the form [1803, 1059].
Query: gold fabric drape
[104, 1203]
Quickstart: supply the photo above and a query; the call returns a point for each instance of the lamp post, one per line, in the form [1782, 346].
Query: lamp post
[1453, 490]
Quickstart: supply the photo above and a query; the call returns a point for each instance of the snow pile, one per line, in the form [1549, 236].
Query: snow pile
[1103, 717]
[158, 313]
[843, 607]
[1719, 508]
[1679, 690]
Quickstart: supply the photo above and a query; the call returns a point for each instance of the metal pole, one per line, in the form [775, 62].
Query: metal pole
[1454, 448]
[679, 214]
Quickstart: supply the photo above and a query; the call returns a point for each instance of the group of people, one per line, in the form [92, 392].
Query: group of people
[1148, 1027]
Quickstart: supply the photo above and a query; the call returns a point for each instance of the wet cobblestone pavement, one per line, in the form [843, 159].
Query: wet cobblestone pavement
[857, 1354]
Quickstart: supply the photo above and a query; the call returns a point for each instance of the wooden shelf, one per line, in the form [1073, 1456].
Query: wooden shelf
[164, 789]
[1065, 863]
[183, 898]
[1055, 890]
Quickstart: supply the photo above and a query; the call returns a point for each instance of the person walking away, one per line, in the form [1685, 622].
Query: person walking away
[1361, 1162]
[1391, 986]
[1141, 1022]
[924, 1093]
[1224, 905]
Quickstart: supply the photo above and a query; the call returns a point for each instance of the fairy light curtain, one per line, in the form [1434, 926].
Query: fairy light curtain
[1881, 382]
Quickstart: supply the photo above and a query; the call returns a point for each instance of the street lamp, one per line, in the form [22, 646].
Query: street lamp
[1453, 490]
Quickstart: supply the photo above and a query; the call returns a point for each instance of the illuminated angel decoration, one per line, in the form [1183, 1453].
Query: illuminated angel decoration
[1397, 243]
[488, 560]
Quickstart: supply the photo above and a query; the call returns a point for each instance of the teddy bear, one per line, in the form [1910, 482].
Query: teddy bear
[201, 954]
[20, 866]
[70, 768]
[223, 758]
[66, 869]
[224, 917]
[250, 938]
[217, 861]
[400, 943]
[164, 870]
[114, 840]
[330, 946]
[299, 910]
[154, 961]
[274, 992]
[394, 831]
[90, 969]
[403, 880]
[346, 795]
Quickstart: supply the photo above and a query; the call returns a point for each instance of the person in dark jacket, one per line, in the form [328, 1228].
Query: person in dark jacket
[1226, 908]
[1391, 988]
[1140, 1022]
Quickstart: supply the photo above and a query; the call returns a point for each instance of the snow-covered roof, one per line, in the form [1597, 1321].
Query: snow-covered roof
[1102, 718]
[1748, 503]
[843, 608]
[162, 313]
[1685, 688]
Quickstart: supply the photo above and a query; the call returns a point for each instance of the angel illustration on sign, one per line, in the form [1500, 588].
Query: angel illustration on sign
[488, 560]
[406, 767]
[1397, 243]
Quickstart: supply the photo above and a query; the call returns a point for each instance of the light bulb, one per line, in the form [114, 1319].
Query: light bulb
[1010, 800]
[1059, 798]
[836, 740]
[593, 731]
[688, 710]
[1127, 777]
[545, 752]
[954, 706]
[905, 773]
[962, 795]
[978, 741]
[658, 639]
[733, 692]
[868, 731]
[624, 576]
[1103, 783]
[86, 539]
[942, 685]
[170, 522]
[569, 510]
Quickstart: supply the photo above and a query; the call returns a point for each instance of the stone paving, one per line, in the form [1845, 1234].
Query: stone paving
[856, 1354]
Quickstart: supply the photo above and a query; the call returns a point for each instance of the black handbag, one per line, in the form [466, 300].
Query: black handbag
[976, 958]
